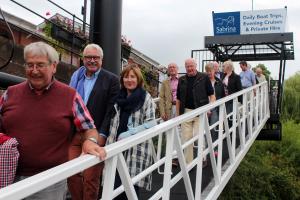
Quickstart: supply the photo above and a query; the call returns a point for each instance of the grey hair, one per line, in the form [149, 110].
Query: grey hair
[192, 60]
[174, 64]
[215, 63]
[258, 68]
[94, 46]
[229, 64]
[41, 49]
[209, 66]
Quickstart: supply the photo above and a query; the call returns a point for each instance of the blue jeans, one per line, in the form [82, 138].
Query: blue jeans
[57, 191]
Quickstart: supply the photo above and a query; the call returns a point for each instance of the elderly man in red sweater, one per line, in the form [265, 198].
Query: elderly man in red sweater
[41, 114]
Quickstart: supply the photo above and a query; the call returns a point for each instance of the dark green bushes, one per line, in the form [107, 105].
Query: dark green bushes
[291, 99]
[270, 170]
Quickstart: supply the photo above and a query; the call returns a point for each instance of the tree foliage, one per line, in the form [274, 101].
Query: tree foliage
[271, 170]
[291, 98]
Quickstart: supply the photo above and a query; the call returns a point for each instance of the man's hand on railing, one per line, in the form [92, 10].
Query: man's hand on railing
[93, 148]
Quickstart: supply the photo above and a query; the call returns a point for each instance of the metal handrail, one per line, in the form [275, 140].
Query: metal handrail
[67, 11]
[19, 4]
[44, 39]
[57, 25]
[115, 159]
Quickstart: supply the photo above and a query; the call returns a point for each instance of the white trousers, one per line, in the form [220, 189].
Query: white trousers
[189, 128]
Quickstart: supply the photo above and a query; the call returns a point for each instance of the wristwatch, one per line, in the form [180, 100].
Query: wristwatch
[93, 139]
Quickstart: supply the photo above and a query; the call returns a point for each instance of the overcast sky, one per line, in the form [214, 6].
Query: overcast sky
[167, 30]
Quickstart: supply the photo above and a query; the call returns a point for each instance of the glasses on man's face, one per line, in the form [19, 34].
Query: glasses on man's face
[89, 58]
[38, 66]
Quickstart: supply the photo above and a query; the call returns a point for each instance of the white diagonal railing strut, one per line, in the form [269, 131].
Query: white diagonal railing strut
[237, 127]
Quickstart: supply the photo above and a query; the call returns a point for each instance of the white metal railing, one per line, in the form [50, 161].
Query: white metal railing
[252, 114]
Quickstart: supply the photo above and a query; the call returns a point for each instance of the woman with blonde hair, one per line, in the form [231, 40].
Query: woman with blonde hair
[218, 90]
[232, 83]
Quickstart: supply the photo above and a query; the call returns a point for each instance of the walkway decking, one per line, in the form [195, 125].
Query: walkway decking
[178, 191]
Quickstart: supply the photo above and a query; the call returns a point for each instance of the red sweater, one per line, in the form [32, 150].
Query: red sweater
[42, 124]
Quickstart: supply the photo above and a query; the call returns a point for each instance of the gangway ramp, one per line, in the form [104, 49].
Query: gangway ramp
[248, 118]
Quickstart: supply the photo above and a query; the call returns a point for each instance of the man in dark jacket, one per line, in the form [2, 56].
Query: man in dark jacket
[98, 89]
[194, 90]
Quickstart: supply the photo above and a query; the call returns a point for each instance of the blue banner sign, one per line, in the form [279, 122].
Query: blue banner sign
[226, 23]
[249, 22]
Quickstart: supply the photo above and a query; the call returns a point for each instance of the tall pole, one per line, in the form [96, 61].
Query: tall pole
[106, 21]
[252, 5]
[83, 12]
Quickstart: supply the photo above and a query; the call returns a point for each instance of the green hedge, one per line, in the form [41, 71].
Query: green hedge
[270, 170]
[291, 99]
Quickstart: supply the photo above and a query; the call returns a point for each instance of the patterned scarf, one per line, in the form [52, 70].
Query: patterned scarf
[128, 105]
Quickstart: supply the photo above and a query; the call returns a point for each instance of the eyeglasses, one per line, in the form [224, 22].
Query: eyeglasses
[92, 57]
[38, 66]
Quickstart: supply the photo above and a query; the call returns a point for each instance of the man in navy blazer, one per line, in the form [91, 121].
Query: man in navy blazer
[98, 89]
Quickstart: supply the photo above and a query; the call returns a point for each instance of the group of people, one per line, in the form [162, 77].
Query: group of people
[54, 122]
[179, 95]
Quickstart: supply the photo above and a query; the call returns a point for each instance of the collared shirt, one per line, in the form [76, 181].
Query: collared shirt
[82, 118]
[89, 82]
[174, 84]
[45, 89]
[247, 78]
[218, 75]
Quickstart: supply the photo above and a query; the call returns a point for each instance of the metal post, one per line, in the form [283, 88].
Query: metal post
[84, 16]
[106, 21]
[280, 81]
[73, 39]
[168, 165]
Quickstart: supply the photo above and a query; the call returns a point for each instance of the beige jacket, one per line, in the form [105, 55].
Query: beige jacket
[165, 98]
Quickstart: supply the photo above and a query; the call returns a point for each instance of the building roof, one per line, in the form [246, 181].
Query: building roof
[18, 21]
